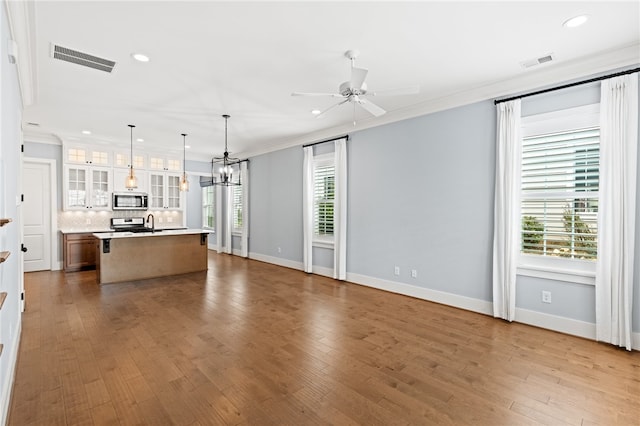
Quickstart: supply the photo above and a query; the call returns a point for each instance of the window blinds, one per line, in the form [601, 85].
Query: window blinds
[560, 176]
[324, 194]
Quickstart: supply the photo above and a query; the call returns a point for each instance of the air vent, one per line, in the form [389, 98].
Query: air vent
[537, 61]
[84, 59]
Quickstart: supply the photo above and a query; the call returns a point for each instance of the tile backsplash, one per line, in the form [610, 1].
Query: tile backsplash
[101, 220]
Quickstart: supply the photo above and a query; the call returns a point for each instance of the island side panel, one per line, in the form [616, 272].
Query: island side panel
[140, 258]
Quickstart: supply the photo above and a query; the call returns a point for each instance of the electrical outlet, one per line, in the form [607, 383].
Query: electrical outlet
[396, 270]
[279, 250]
[169, 219]
[88, 222]
[159, 220]
[546, 297]
[414, 273]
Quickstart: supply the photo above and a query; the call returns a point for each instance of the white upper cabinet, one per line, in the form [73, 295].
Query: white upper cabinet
[121, 159]
[120, 175]
[164, 191]
[80, 154]
[87, 188]
[164, 162]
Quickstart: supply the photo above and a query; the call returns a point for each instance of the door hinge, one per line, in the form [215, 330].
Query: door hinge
[22, 148]
[22, 197]
[22, 296]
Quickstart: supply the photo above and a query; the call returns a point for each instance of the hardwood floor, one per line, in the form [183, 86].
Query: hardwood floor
[253, 343]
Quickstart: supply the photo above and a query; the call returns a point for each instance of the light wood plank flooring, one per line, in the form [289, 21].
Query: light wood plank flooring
[253, 343]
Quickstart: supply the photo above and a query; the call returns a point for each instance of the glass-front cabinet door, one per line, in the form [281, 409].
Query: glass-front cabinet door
[173, 191]
[100, 188]
[156, 188]
[76, 181]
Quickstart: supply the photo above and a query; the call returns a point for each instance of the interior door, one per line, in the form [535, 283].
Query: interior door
[36, 216]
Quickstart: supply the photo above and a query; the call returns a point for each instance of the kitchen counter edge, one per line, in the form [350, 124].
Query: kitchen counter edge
[159, 233]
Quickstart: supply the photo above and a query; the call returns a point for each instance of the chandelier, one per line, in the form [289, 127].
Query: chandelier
[224, 163]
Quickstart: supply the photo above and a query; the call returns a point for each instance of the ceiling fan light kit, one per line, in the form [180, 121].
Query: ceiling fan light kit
[355, 91]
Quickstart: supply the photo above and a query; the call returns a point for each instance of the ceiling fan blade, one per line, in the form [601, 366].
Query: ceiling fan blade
[331, 107]
[334, 95]
[372, 108]
[412, 90]
[357, 77]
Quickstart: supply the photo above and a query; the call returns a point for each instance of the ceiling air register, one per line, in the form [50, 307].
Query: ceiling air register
[80, 58]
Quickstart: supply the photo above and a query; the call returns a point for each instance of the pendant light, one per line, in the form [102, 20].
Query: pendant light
[225, 173]
[131, 182]
[184, 182]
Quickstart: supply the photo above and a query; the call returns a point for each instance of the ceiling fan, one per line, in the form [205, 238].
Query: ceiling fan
[355, 90]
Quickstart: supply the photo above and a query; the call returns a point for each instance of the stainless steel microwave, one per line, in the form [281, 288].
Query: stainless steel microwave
[130, 201]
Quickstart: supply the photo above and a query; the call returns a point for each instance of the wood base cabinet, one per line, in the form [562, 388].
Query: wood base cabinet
[79, 252]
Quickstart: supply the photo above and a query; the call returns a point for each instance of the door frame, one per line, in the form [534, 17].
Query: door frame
[56, 264]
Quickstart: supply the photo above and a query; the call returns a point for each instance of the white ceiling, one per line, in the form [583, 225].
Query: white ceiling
[244, 59]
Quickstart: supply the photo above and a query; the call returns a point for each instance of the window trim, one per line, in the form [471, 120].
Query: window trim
[202, 207]
[549, 267]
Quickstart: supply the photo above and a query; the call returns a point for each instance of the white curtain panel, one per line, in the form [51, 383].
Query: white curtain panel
[340, 211]
[219, 220]
[307, 209]
[228, 220]
[617, 209]
[506, 219]
[244, 178]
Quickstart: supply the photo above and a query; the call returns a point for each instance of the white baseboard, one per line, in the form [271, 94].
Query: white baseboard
[565, 325]
[450, 299]
[292, 264]
[7, 385]
[321, 270]
[57, 266]
[556, 323]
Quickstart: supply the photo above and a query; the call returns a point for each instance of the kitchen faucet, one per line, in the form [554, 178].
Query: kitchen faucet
[153, 222]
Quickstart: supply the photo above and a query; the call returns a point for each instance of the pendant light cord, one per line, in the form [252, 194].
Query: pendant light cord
[184, 153]
[131, 126]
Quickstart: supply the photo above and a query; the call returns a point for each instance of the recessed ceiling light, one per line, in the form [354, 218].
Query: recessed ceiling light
[576, 21]
[315, 111]
[139, 140]
[86, 132]
[140, 57]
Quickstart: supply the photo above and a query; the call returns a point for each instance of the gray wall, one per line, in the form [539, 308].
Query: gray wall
[420, 197]
[275, 219]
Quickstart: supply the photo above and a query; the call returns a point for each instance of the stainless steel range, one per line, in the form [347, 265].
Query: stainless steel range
[130, 224]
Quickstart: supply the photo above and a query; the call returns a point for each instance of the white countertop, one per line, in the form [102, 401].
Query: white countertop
[83, 230]
[158, 233]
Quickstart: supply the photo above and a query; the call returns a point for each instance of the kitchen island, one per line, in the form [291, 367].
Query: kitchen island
[129, 256]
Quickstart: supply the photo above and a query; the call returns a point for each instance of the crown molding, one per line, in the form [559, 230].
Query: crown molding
[545, 76]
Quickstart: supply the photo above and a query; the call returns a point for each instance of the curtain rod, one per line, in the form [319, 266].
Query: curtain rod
[566, 86]
[327, 140]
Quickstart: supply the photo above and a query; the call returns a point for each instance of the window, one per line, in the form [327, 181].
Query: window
[209, 207]
[237, 208]
[559, 187]
[323, 197]
[560, 194]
